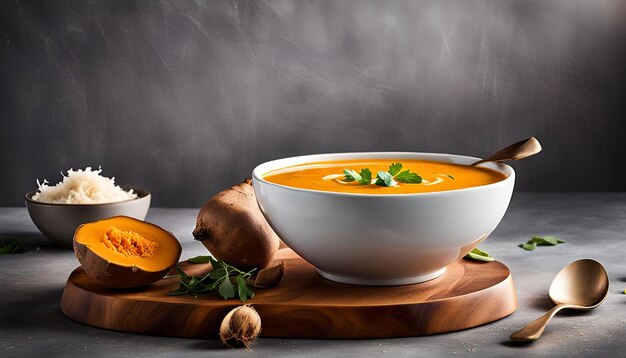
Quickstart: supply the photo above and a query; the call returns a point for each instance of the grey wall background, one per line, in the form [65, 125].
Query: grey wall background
[186, 97]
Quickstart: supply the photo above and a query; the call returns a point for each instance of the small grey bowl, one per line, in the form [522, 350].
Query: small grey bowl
[59, 221]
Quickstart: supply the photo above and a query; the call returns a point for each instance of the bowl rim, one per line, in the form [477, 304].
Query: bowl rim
[141, 194]
[502, 168]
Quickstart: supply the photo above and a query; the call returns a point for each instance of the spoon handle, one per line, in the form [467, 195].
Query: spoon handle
[516, 151]
[534, 329]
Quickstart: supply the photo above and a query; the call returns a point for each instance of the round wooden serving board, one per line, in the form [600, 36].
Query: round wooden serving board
[304, 305]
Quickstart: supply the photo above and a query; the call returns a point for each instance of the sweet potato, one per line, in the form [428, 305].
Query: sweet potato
[234, 230]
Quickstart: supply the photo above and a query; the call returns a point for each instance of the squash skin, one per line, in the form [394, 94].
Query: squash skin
[231, 226]
[113, 275]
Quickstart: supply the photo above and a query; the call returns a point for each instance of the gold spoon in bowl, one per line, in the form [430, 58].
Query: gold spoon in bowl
[516, 151]
[581, 285]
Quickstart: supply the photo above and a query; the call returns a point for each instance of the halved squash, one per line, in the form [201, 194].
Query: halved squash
[122, 252]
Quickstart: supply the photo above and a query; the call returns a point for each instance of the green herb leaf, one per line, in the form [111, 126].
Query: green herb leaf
[210, 287]
[351, 175]
[226, 288]
[528, 246]
[214, 263]
[450, 176]
[218, 273]
[479, 255]
[216, 279]
[243, 290]
[200, 260]
[363, 178]
[541, 241]
[11, 247]
[408, 178]
[182, 290]
[395, 168]
[384, 179]
[182, 273]
[548, 240]
[366, 176]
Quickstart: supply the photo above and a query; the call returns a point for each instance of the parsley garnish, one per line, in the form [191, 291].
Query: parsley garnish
[408, 177]
[385, 179]
[541, 241]
[395, 168]
[389, 178]
[363, 178]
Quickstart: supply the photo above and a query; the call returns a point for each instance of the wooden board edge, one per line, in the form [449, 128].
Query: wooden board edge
[498, 302]
[495, 303]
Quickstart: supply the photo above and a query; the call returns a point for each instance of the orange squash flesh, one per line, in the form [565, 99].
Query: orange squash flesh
[123, 252]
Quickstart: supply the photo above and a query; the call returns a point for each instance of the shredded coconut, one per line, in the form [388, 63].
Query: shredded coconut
[82, 187]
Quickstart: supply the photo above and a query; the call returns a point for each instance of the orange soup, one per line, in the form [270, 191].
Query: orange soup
[386, 176]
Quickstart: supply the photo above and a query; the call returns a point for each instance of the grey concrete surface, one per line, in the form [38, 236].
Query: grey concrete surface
[594, 226]
[185, 97]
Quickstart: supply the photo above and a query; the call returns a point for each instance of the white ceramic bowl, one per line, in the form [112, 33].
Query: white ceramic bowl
[374, 239]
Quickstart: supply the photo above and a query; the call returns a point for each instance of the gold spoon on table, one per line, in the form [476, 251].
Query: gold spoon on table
[581, 285]
[516, 151]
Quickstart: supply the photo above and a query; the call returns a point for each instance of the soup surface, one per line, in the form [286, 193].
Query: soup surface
[433, 176]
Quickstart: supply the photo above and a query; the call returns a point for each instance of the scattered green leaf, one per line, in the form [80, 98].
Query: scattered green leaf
[226, 288]
[528, 246]
[478, 255]
[242, 289]
[541, 241]
[217, 273]
[179, 292]
[219, 278]
[11, 247]
[200, 260]
[182, 273]
[450, 176]
[216, 264]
